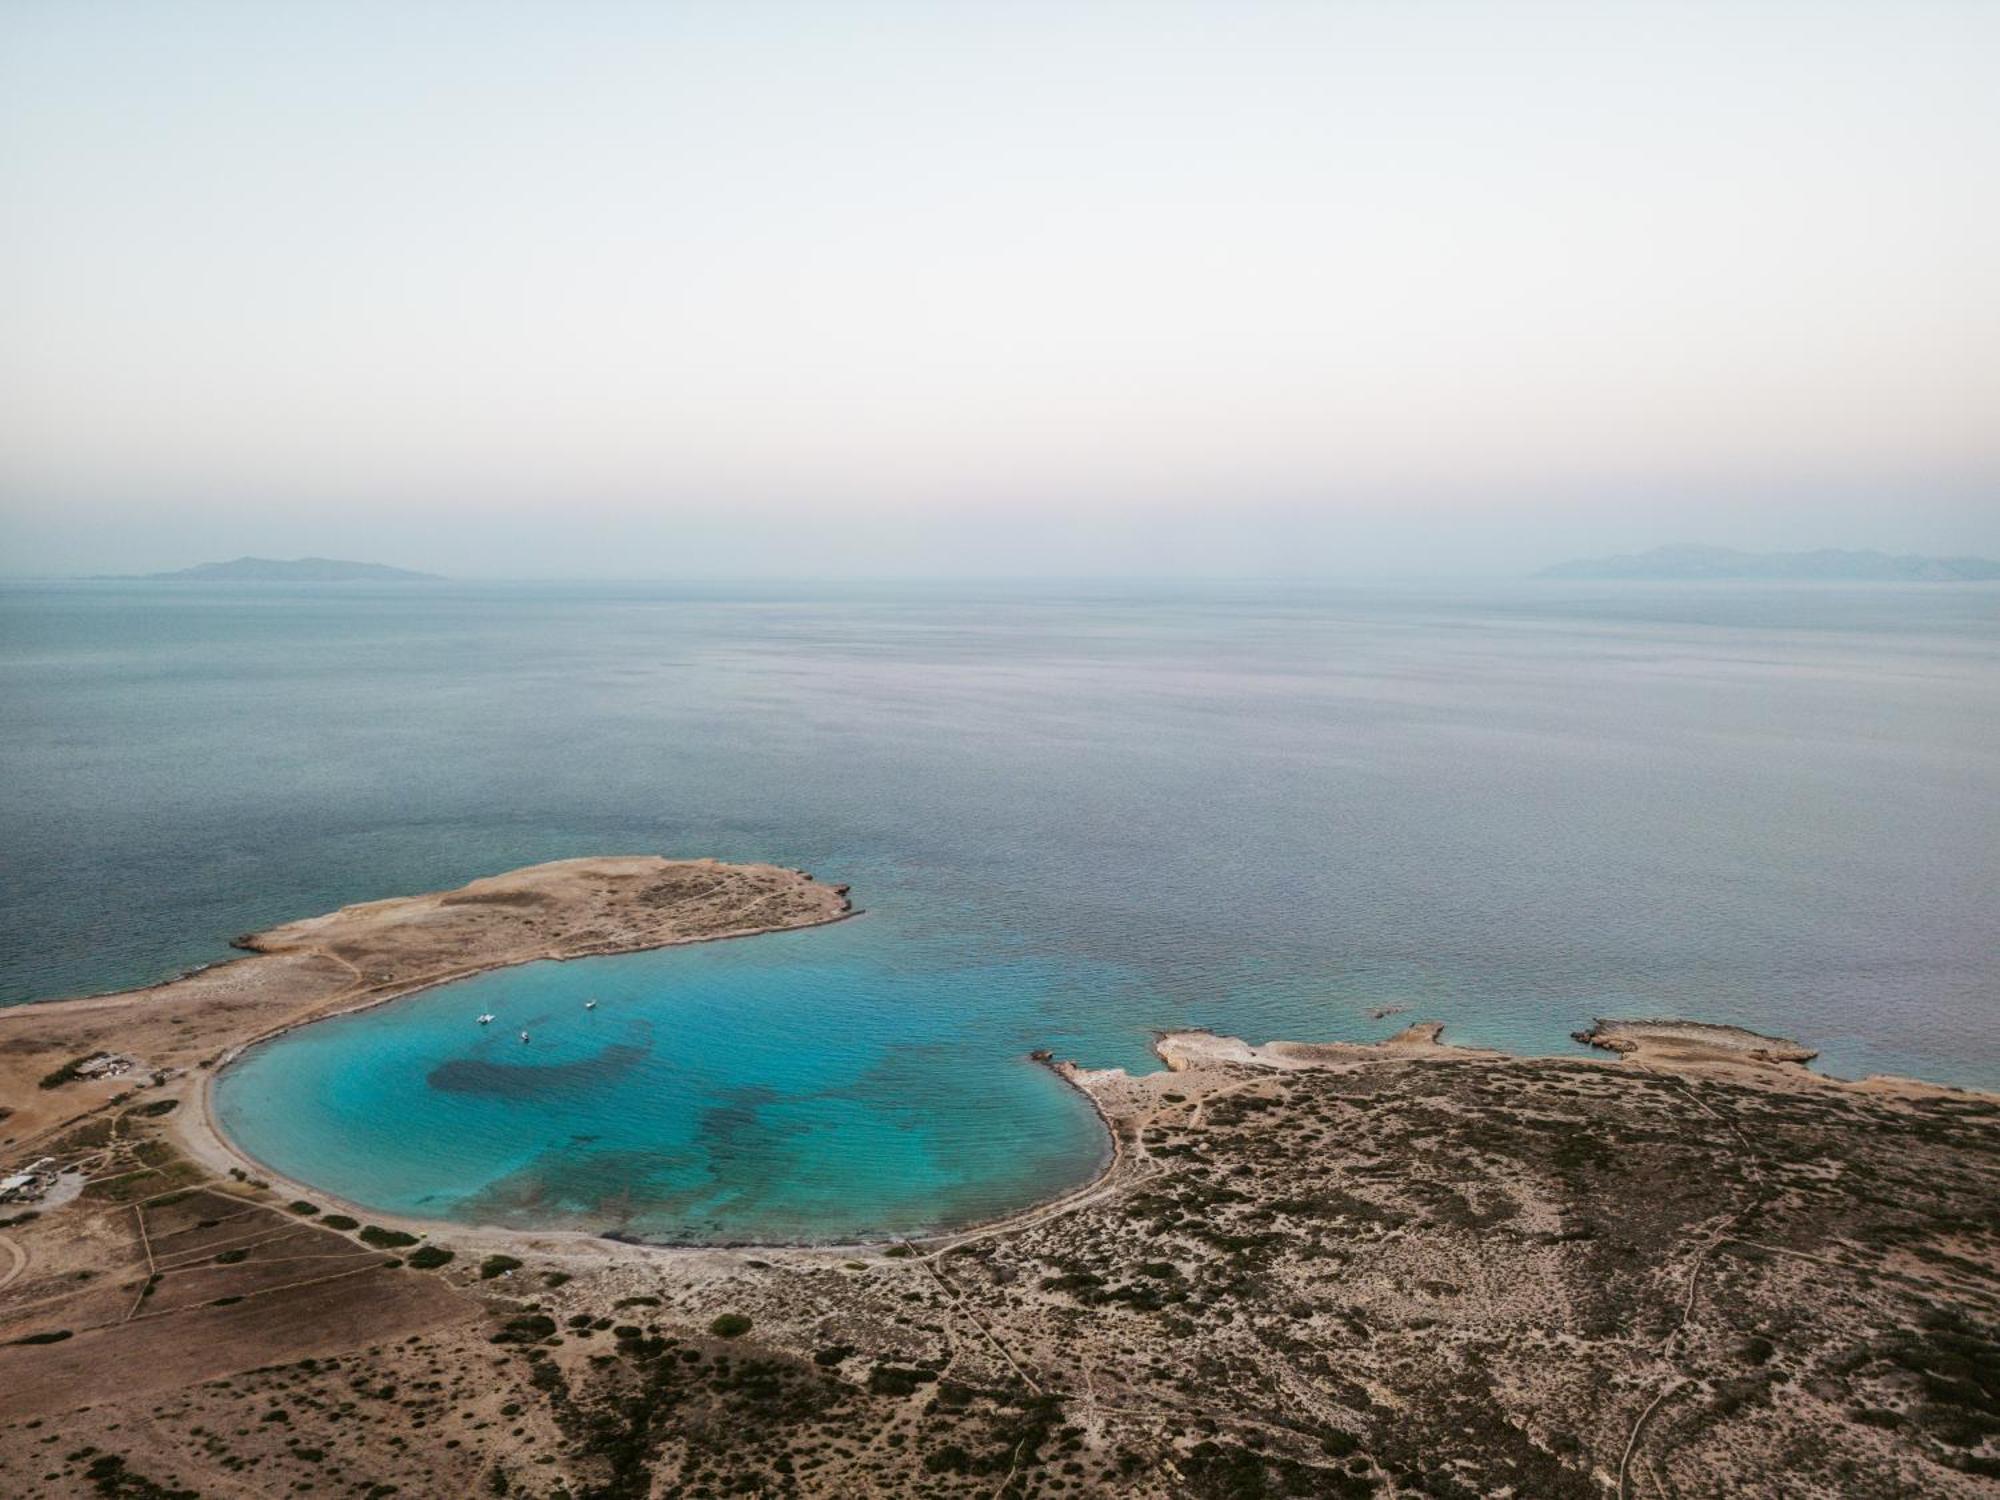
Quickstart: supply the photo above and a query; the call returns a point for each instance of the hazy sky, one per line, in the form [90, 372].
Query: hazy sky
[591, 288]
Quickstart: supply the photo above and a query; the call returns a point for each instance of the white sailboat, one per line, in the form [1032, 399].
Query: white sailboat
[487, 1019]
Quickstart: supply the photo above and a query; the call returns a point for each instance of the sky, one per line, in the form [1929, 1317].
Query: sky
[597, 289]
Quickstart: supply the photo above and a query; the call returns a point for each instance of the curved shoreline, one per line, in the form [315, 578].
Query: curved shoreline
[374, 953]
[209, 1142]
[1326, 1211]
[212, 1145]
[1694, 1048]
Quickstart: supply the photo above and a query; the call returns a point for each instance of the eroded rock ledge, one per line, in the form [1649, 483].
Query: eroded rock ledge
[1701, 1042]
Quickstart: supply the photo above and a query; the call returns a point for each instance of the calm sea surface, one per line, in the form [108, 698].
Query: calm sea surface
[1073, 814]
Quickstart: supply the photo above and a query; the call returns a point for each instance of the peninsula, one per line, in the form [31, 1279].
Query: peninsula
[1686, 1266]
[363, 955]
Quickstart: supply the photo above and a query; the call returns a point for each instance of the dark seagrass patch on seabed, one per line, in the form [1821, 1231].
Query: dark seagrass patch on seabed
[472, 1075]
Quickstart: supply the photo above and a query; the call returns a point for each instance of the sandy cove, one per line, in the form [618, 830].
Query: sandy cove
[1125, 1105]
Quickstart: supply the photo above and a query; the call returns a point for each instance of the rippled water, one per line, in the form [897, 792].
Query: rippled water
[1074, 815]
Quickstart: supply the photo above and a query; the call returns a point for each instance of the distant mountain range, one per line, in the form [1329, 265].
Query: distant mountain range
[296, 570]
[1826, 565]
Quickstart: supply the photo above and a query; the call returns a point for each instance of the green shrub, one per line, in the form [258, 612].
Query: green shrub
[67, 1071]
[430, 1257]
[730, 1326]
[54, 1337]
[340, 1221]
[301, 1207]
[897, 1380]
[950, 1459]
[526, 1330]
[497, 1265]
[386, 1239]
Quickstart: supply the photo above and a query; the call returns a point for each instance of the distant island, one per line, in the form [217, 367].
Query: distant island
[294, 570]
[1664, 564]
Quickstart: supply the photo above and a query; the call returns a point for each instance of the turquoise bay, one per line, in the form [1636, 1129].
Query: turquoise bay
[818, 1085]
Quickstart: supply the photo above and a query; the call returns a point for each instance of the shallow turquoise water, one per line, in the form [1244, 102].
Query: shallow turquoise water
[1073, 814]
[785, 1088]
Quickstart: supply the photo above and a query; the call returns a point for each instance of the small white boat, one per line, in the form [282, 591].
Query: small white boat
[524, 1036]
[590, 1005]
[487, 1019]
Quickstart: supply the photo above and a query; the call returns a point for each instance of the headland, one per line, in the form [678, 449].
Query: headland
[65, 1059]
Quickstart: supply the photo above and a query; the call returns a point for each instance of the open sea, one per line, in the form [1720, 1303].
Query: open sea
[1074, 814]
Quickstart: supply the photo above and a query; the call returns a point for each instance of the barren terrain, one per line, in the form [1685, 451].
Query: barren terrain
[1345, 1271]
[1695, 1269]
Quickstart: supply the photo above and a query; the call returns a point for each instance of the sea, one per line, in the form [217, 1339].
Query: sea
[1073, 814]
